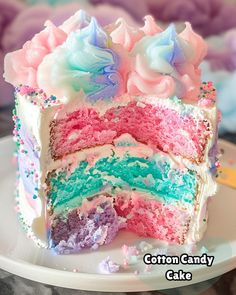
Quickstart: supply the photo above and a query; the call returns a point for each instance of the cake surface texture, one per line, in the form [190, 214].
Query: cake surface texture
[114, 130]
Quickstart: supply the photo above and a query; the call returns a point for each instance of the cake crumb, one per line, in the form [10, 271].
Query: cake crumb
[190, 249]
[144, 246]
[161, 251]
[203, 250]
[131, 254]
[148, 268]
[108, 266]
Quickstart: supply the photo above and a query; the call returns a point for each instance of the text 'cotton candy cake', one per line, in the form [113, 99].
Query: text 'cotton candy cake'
[115, 130]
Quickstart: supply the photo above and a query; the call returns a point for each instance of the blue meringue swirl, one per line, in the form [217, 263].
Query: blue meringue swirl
[84, 62]
[163, 51]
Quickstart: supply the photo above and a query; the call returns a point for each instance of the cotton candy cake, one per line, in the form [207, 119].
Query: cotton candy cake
[114, 130]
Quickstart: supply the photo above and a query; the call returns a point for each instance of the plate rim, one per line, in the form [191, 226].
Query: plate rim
[216, 270]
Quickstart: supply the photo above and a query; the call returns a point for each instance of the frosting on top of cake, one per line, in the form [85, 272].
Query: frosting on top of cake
[107, 62]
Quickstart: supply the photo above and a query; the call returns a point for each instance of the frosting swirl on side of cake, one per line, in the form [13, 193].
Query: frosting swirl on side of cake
[84, 62]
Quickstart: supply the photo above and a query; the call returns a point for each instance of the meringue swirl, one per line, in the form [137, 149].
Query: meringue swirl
[21, 66]
[145, 81]
[83, 63]
[166, 64]
[77, 21]
[150, 27]
[128, 36]
[125, 35]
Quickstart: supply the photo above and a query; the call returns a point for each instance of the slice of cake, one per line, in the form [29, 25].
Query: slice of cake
[114, 131]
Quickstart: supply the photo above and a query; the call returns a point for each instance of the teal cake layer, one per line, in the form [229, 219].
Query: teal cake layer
[153, 175]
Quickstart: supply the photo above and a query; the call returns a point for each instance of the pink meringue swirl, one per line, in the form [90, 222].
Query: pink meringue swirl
[150, 26]
[21, 66]
[145, 81]
[125, 35]
[128, 36]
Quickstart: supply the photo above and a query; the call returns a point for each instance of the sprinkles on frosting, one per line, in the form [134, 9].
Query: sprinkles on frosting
[38, 97]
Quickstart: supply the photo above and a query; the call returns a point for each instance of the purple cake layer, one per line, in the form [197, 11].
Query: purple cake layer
[84, 227]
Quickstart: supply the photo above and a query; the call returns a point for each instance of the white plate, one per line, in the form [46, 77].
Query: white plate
[20, 256]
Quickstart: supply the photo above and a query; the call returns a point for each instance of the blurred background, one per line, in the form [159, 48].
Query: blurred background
[215, 20]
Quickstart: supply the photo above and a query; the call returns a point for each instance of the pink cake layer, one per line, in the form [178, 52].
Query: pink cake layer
[158, 126]
[153, 218]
